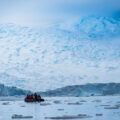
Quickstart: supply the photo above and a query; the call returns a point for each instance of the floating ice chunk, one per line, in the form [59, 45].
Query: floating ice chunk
[21, 117]
[80, 116]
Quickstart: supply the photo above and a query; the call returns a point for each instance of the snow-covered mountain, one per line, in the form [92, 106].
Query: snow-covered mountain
[86, 90]
[75, 90]
[12, 91]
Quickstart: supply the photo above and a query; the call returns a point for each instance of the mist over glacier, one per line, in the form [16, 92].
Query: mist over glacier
[51, 47]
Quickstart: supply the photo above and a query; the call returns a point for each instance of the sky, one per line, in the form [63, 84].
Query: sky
[48, 44]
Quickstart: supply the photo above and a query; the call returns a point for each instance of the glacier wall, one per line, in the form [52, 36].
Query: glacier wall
[74, 47]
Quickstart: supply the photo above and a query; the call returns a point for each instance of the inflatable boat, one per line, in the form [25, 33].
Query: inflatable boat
[32, 99]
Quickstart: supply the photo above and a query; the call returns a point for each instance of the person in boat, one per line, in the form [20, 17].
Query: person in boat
[28, 97]
[36, 97]
[31, 97]
[39, 97]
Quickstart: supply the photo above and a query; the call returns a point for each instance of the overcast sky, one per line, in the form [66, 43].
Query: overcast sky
[37, 12]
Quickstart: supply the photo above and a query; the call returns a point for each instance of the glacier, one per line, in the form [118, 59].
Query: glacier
[86, 50]
[53, 45]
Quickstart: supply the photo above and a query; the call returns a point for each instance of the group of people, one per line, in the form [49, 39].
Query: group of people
[33, 97]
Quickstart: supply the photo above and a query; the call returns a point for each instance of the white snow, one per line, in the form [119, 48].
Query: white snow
[89, 108]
